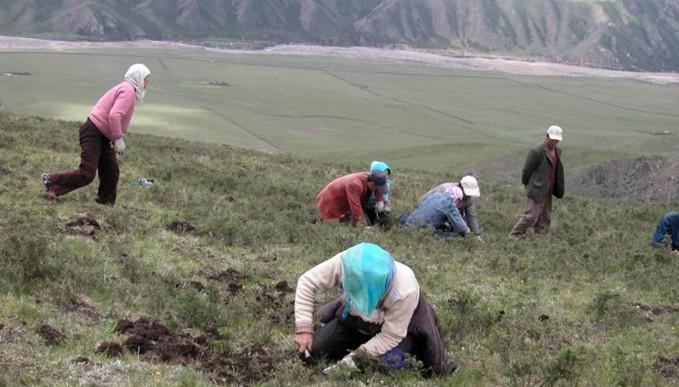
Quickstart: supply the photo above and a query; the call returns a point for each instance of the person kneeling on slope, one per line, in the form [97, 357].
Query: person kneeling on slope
[464, 194]
[379, 212]
[381, 314]
[667, 225]
[343, 199]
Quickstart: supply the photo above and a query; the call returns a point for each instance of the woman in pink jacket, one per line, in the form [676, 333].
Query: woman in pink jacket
[101, 137]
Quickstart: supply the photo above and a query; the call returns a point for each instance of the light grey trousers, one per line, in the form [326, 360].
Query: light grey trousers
[537, 215]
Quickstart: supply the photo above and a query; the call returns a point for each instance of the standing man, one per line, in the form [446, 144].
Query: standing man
[543, 177]
[343, 199]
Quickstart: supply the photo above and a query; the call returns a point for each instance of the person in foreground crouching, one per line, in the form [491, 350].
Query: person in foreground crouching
[381, 313]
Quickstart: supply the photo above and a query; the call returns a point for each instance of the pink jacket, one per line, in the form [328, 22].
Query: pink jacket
[113, 111]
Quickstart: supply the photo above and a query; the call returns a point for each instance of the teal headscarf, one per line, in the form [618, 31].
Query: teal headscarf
[368, 272]
[382, 167]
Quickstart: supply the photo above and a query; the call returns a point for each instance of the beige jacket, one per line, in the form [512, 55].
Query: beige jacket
[394, 313]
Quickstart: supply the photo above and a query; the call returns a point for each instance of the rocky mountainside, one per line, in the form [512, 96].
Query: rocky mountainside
[629, 34]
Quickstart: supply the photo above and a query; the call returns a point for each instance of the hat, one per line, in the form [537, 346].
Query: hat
[470, 186]
[555, 133]
[380, 180]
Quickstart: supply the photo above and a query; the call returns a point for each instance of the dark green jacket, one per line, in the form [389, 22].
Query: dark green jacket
[536, 174]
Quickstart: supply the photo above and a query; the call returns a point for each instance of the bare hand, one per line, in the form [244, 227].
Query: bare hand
[304, 341]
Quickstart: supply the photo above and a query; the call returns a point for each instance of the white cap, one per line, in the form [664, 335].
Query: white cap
[470, 186]
[555, 133]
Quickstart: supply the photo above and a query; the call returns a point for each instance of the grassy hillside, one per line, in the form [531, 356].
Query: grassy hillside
[630, 34]
[412, 114]
[205, 249]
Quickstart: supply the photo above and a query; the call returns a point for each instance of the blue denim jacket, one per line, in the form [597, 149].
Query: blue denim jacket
[435, 211]
[668, 224]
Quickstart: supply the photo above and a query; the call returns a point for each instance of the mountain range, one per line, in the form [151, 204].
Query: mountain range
[624, 34]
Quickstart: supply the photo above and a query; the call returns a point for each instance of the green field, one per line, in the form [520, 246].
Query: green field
[412, 115]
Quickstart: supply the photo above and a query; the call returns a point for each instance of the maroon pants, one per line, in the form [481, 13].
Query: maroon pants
[96, 153]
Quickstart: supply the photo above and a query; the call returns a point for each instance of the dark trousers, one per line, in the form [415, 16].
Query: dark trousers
[96, 153]
[339, 336]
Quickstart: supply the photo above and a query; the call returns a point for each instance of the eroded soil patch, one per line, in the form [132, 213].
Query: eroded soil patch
[154, 342]
[182, 227]
[52, 335]
[232, 278]
[82, 225]
[84, 308]
[657, 310]
[668, 367]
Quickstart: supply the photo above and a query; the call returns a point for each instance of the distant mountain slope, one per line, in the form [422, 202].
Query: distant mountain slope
[630, 34]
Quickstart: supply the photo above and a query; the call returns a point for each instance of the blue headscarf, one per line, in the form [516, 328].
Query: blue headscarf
[368, 272]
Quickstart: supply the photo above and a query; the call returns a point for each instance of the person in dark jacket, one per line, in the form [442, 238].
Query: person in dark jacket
[543, 177]
[667, 225]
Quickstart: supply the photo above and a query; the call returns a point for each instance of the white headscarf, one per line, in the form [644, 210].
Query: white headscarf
[135, 75]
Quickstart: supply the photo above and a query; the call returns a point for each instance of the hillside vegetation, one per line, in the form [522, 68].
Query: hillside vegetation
[630, 34]
[213, 248]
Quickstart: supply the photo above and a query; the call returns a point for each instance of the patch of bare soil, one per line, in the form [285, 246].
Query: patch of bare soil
[232, 278]
[182, 227]
[14, 73]
[82, 225]
[248, 366]
[154, 342]
[657, 310]
[52, 335]
[668, 367]
[276, 300]
[82, 360]
[216, 84]
[84, 308]
[640, 179]
[109, 349]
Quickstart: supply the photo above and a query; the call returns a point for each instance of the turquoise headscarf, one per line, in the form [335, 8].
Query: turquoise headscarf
[368, 272]
[382, 167]
[379, 166]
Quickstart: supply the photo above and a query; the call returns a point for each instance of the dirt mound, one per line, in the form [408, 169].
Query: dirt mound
[82, 225]
[154, 342]
[52, 335]
[641, 179]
